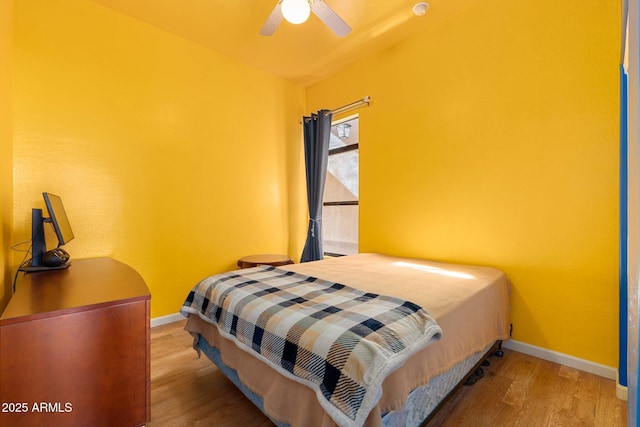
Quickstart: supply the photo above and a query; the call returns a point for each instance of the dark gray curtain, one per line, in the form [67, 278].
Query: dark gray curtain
[317, 131]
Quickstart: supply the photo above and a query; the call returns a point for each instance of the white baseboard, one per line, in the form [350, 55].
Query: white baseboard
[621, 392]
[163, 320]
[563, 359]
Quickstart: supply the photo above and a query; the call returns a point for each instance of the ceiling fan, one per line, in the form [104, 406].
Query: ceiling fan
[297, 12]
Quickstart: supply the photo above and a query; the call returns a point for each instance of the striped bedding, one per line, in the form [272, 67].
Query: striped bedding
[337, 340]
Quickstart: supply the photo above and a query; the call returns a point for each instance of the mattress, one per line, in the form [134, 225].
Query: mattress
[470, 303]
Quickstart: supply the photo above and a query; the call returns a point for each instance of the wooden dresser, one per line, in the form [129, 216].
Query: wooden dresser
[75, 348]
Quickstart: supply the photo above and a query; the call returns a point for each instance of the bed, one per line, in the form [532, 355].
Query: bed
[467, 314]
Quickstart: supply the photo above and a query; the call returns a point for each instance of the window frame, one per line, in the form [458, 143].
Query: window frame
[340, 150]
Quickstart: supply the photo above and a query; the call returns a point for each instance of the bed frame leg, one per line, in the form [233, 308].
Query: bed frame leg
[477, 374]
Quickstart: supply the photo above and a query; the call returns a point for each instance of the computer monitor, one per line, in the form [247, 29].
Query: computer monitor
[41, 258]
[58, 217]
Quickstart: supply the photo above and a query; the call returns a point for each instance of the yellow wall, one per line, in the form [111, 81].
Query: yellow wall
[493, 139]
[6, 148]
[168, 156]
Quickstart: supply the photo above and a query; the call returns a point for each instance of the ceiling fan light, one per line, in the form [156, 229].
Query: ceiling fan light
[295, 11]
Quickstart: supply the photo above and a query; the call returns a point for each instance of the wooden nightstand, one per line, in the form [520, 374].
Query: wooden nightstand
[264, 259]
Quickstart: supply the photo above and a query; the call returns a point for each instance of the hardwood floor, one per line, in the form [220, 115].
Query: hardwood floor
[521, 390]
[517, 390]
[191, 391]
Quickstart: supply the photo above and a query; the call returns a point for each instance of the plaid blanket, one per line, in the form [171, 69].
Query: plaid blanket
[339, 341]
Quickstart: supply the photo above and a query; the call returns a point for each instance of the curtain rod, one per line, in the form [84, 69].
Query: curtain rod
[366, 100]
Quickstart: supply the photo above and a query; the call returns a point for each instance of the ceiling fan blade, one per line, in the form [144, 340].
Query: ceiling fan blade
[329, 17]
[272, 21]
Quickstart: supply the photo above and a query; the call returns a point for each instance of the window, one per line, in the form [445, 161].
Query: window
[340, 200]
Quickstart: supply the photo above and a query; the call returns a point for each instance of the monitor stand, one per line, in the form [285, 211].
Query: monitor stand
[40, 268]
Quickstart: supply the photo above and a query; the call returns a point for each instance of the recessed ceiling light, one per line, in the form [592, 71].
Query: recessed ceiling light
[420, 9]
